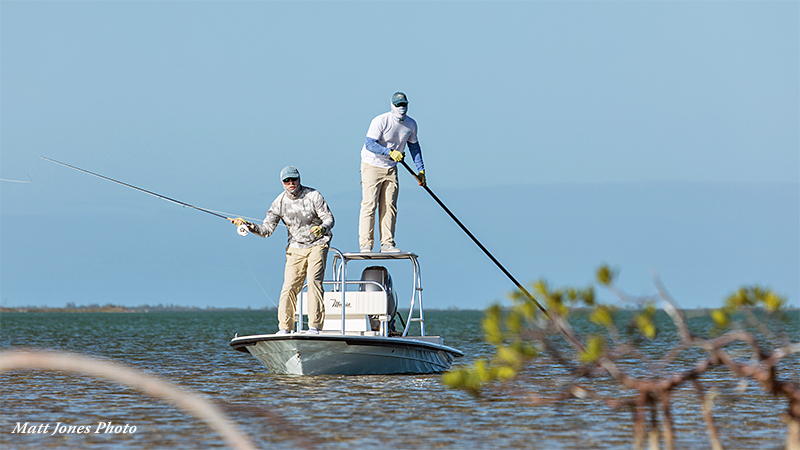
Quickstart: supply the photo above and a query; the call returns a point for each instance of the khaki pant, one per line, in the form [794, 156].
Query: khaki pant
[302, 263]
[379, 189]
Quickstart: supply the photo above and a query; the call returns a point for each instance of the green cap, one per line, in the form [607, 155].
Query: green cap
[399, 97]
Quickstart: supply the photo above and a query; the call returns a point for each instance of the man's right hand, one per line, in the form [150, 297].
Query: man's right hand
[396, 156]
[238, 221]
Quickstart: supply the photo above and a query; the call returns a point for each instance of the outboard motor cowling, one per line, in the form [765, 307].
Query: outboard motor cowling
[380, 275]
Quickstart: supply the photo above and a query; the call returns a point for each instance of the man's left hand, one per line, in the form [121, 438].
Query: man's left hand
[421, 178]
[317, 230]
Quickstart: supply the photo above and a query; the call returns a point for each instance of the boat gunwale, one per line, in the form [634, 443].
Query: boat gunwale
[241, 342]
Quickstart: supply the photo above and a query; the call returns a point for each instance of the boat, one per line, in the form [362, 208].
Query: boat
[362, 338]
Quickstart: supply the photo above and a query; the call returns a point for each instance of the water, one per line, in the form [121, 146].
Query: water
[191, 350]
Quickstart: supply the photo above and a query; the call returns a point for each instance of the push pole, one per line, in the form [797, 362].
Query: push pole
[477, 242]
[558, 323]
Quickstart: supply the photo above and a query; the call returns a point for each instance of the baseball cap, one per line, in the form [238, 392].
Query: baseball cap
[289, 172]
[399, 97]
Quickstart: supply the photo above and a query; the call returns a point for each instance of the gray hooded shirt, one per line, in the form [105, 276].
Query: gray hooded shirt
[299, 211]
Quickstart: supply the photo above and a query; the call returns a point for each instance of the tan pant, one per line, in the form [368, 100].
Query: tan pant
[302, 263]
[379, 189]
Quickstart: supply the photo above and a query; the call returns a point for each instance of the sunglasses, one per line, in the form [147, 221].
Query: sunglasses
[401, 104]
[289, 180]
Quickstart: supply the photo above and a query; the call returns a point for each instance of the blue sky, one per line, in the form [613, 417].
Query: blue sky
[647, 135]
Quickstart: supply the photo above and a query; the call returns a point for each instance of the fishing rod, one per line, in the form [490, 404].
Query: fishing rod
[144, 190]
[477, 242]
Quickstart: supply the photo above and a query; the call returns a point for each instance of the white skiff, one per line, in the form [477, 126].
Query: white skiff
[359, 339]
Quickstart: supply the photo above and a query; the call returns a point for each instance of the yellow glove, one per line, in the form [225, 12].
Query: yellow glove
[421, 178]
[238, 221]
[396, 156]
[317, 230]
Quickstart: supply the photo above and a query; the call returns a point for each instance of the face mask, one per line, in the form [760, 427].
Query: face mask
[293, 191]
[399, 112]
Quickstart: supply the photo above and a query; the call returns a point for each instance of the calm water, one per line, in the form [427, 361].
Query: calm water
[328, 412]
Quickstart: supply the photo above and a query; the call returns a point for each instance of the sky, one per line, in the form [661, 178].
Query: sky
[659, 137]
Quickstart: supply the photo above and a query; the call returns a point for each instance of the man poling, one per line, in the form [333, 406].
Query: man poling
[387, 137]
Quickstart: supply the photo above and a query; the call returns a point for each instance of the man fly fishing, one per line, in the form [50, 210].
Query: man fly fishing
[308, 221]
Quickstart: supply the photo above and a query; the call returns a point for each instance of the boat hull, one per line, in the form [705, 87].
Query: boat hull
[336, 354]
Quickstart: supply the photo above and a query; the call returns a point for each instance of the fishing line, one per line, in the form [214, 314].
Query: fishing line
[241, 229]
[208, 211]
[17, 181]
[259, 285]
[30, 180]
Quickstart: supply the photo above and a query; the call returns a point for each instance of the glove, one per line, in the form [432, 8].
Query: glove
[317, 230]
[421, 178]
[239, 221]
[396, 156]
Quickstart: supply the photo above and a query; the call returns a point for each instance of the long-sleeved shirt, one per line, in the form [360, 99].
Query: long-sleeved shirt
[299, 213]
[386, 134]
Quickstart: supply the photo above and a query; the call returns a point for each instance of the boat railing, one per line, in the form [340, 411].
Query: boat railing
[340, 273]
[340, 284]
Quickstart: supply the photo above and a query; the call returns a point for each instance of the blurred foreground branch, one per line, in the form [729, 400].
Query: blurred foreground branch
[148, 384]
[617, 351]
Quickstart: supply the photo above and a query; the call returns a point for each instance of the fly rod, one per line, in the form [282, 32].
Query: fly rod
[477, 242]
[137, 188]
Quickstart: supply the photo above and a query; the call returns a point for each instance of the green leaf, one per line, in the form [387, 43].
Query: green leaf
[645, 324]
[602, 316]
[720, 317]
[605, 275]
[594, 350]
[514, 322]
[572, 294]
[491, 325]
[506, 373]
[528, 310]
[588, 296]
[509, 356]
[455, 378]
[483, 371]
[773, 301]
